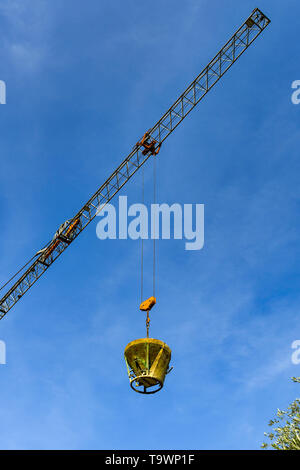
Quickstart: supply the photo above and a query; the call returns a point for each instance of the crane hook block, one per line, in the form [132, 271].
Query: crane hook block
[148, 304]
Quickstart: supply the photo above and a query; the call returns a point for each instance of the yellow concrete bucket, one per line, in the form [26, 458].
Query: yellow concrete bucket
[147, 361]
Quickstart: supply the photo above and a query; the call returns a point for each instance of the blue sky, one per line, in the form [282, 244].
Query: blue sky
[84, 82]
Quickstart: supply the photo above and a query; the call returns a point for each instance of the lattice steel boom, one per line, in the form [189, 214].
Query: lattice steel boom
[149, 145]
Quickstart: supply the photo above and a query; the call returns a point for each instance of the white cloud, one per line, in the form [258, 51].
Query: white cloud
[25, 43]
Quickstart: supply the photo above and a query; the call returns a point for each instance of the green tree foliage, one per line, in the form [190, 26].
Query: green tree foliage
[285, 434]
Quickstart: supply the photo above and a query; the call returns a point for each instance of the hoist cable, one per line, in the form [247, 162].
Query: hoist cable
[154, 228]
[142, 240]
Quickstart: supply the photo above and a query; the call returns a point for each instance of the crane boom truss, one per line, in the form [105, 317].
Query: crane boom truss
[223, 60]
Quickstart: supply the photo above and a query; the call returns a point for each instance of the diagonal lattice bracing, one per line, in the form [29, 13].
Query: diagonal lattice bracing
[187, 101]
